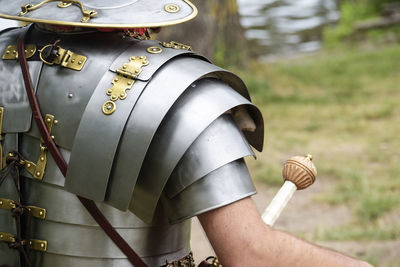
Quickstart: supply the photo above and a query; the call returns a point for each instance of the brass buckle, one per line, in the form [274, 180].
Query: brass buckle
[9, 204]
[87, 14]
[35, 244]
[63, 57]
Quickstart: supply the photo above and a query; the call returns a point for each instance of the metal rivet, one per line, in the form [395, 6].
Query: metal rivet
[26, 51]
[141, 57]
[28, 165]
[11, 154]
[48, 120]
[70, 95]
[52, 137]
[137, 71]
[32, 50]
[122, 94]
[114, 97]
[133, 58]
[109, 107]
[55, 121]
[171, 8]
[124, 66]
[8, 52]
[79, 62]
[42, 245]
[37, 173]
[73, 60]
[41, 213]
[129, 83]
[42, 158]
[116, 80]
[1, 236]
[154, 50]
[1, 202]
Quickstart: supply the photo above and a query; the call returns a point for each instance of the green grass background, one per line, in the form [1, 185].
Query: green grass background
[341, 106]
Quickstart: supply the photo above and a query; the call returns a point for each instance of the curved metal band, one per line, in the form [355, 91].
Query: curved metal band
[73, 89]
[186, 120]
[90, 163]
[161, 93]
[52, 260]
[221, 187]
[84, 241]
[222, 142]
[62, 206]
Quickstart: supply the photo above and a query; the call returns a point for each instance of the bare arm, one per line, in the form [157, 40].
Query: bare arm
[240, 238]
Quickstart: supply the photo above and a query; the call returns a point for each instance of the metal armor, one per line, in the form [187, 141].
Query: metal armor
[154, 133]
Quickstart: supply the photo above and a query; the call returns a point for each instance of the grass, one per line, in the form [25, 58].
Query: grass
[343, 108]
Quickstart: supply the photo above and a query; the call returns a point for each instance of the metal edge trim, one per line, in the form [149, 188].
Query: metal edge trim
[99, 25]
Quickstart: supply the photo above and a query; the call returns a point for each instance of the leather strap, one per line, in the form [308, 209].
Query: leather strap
[90, 205]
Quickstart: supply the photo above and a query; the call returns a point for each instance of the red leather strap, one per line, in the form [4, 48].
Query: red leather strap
[61, 163]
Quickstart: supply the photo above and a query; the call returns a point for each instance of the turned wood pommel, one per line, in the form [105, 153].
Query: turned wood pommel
[300, 170]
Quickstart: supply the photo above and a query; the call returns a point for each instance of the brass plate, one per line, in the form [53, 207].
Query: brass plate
[37, 212]
[7, 204]
[176, 45]
[39, 245]
[6, 237]
[12, 52]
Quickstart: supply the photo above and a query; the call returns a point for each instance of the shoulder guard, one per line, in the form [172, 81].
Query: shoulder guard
[146, 140]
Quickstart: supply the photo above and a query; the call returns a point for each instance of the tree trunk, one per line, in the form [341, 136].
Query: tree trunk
[215, 33]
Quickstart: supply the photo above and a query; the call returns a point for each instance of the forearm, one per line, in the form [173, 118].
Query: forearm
[240, 238]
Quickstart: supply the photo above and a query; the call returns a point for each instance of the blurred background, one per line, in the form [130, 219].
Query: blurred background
[326, 75]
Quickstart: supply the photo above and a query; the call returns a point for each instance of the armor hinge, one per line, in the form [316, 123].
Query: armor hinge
[12, 52]
[9, 204]
[35, 244]
[124, 80]
[37, 170]
[176, 45]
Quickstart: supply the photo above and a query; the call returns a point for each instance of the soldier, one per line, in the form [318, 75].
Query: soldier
[108, 134]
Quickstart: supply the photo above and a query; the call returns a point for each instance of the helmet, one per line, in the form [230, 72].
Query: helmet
[100, 13]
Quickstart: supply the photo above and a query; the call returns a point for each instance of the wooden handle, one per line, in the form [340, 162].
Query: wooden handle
[299, 173]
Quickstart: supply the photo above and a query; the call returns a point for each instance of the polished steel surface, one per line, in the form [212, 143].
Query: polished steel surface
[122, 13]
[86, 152]
[84, 241]
[220, 143]
[66, 92]
[161, 93]
[221, 187]
[18, 114]
[193, 112]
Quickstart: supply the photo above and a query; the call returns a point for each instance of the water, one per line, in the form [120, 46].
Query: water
[287, 27]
